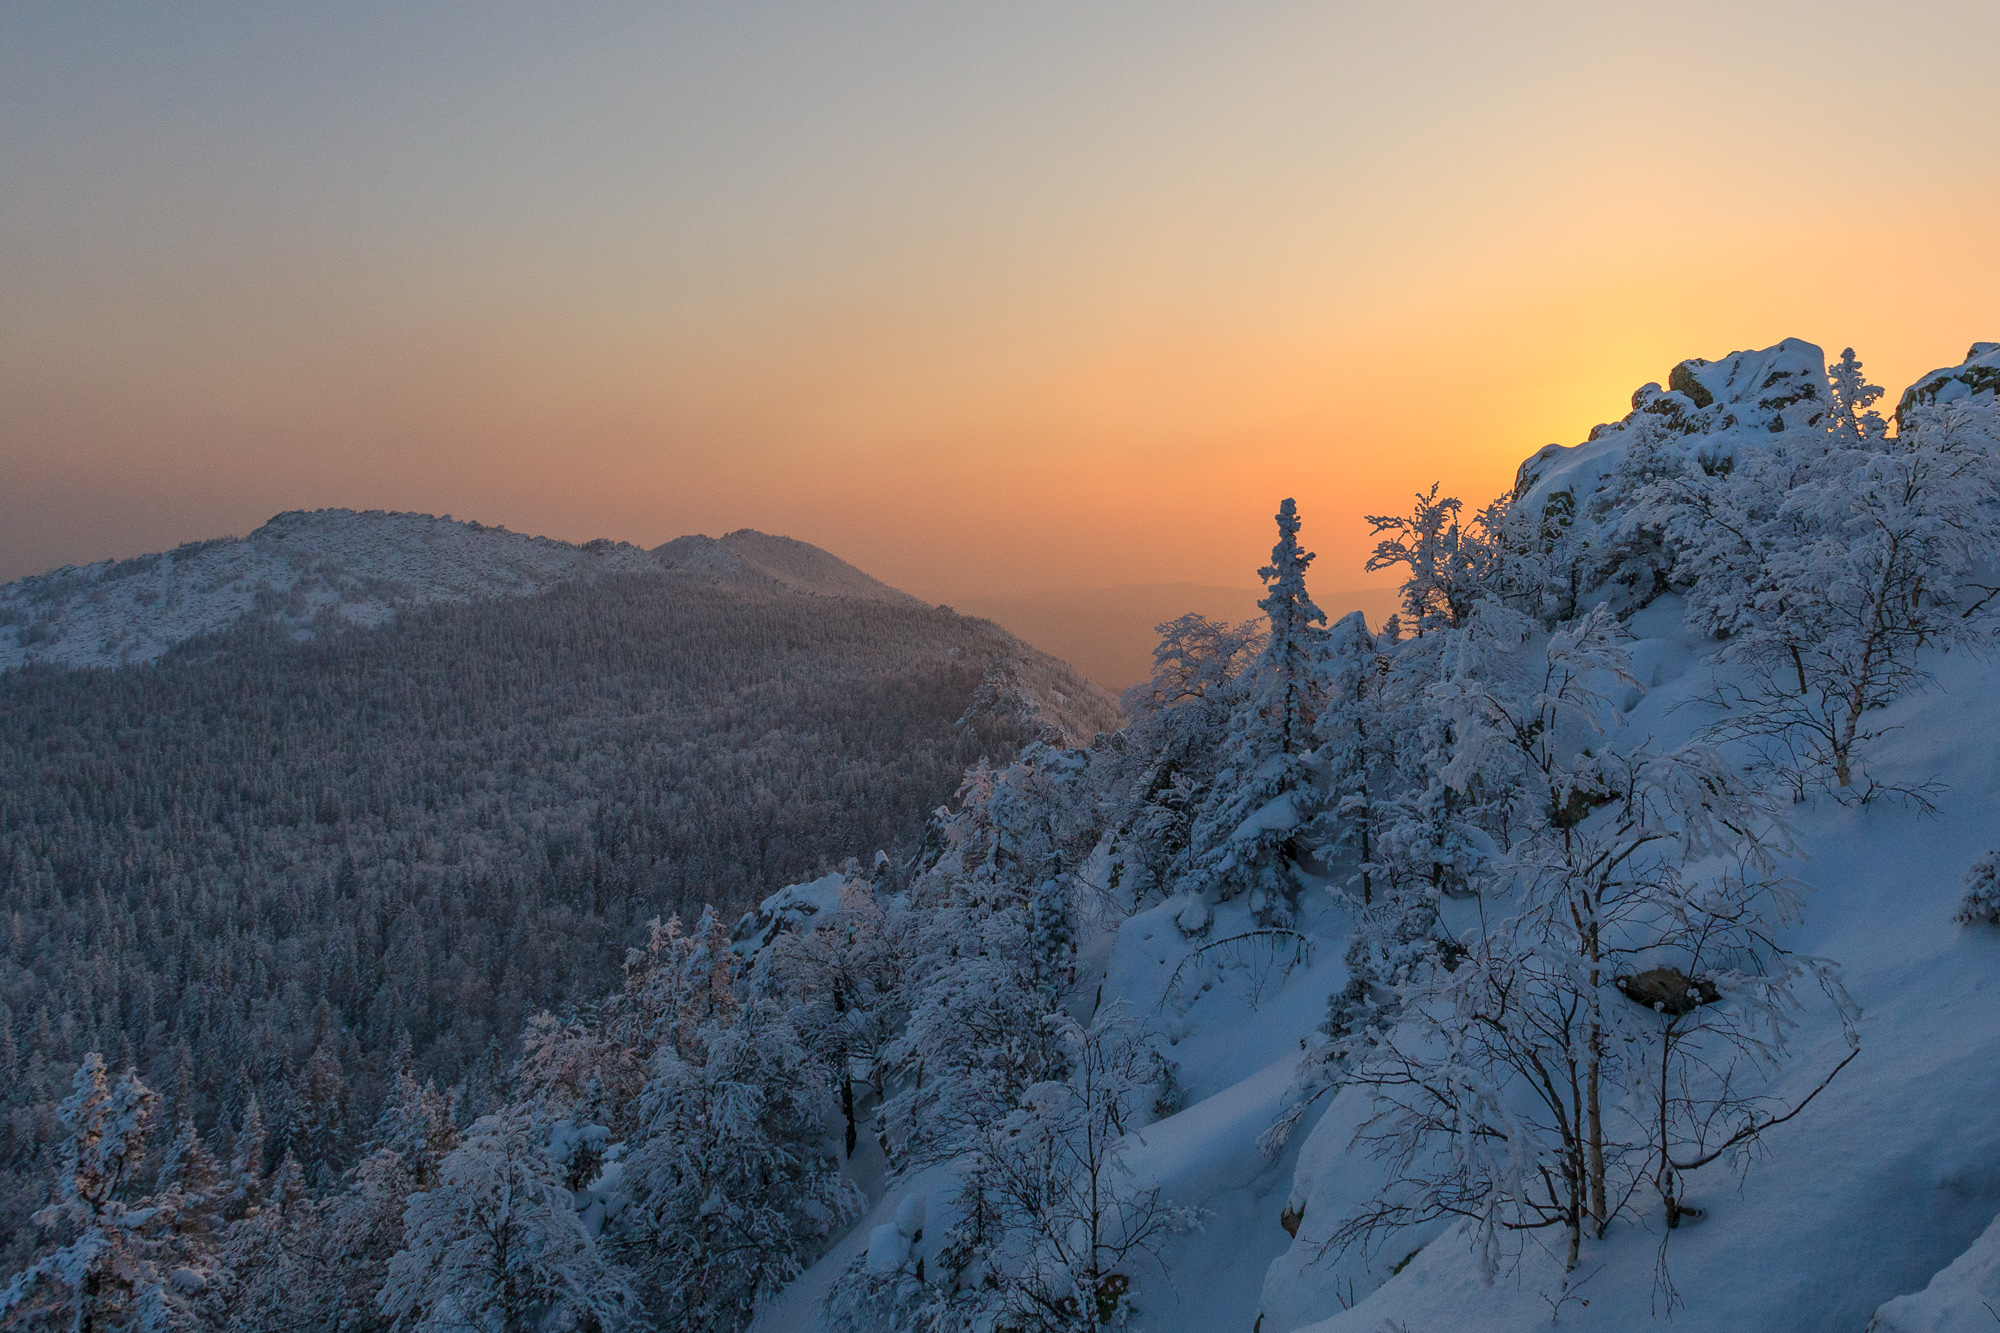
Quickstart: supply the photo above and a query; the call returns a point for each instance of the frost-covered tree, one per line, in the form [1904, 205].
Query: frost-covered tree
[319, 1117]
[496, 1244]
[734, 1185]
[333, 1258]
[994, 956]
[1853, 420]
[1157, 772]
[1356, 754]
[1612, 1026]
[280, 1269]
[1052, 1233]
[123, 1266]
[1451, 565]
[842, 976]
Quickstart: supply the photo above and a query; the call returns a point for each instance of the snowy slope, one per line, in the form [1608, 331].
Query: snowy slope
[1877, 1186]
[360, 567]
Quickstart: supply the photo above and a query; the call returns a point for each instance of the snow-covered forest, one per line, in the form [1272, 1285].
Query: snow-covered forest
[1610, 939]
[271, 874]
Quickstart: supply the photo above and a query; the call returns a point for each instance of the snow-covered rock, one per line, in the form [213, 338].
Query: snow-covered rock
[1712, 408]
[1977, 375]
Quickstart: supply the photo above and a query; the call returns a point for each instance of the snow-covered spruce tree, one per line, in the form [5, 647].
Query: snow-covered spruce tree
[1431, 835]
[589, 1066]
[734, 1186]
[1052, 1233]
[277, 1263]
[124, 1265]
[191, 1175]
[319, 1118]
[332, 1259]
[1853, 420]
[1356, 753]
[1250, 836]
[1828, 560]
[1395, 933]
[1613, 1026]
[496, 1243]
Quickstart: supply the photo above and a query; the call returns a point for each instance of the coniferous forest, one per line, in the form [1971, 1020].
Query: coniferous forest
[269, 874]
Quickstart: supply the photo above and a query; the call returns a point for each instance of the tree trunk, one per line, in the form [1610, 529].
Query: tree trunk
[1593, 1080]
[847, 1103]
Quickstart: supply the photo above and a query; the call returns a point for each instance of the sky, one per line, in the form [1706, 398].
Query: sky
[985, 298]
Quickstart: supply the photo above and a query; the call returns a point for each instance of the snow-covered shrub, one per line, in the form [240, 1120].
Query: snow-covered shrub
[1981, 905]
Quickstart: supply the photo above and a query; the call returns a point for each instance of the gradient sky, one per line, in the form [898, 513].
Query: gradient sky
[981, 297]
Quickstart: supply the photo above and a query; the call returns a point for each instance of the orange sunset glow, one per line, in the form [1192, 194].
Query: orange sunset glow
[982, 299]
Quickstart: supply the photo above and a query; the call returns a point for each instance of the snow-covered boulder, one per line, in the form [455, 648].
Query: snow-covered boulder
[789, 909]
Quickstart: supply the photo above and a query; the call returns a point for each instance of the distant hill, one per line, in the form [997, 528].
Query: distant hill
[361, 568]
[1107, 633]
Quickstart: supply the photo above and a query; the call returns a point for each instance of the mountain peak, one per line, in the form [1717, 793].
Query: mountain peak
[758, 558]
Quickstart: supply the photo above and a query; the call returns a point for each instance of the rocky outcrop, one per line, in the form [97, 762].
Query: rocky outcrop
[1978, 374]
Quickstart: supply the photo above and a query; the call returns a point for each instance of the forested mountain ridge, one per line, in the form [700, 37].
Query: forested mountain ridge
[294, 854]
[361, 568]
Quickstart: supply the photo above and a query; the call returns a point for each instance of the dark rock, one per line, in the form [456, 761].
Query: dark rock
[1668, 990]
[1682, 380]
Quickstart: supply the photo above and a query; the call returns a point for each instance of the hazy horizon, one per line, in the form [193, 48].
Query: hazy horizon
[1107, 631]
[994, 296]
